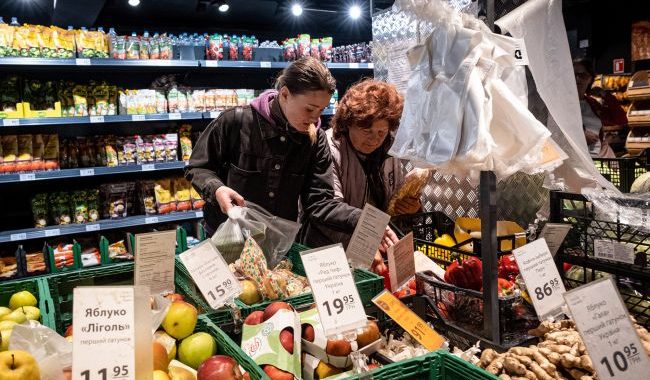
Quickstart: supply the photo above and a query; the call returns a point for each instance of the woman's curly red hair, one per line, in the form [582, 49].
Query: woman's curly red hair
[365, 102]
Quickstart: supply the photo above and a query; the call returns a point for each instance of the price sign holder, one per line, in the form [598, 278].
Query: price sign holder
[408, 320]
[401, 262]
[367, 236]
[111, 333]
[211, 274]
[542, 279]
[154, 261]
[554, 234]
[607, 331]
[335, 293]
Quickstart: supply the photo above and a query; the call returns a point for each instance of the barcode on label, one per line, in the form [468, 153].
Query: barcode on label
[151, 220]
[137, 117]
[93, 227]
[10, 122]
[14, 237]
[613, 250]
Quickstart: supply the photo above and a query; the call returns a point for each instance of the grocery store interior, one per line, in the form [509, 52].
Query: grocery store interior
[342, 189]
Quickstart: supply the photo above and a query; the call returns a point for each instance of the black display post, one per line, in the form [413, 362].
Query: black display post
[488, 213]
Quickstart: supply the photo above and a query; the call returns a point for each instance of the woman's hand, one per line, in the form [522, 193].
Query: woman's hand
[378, 265]
[388, 240]
[409, 205]
[227, 197]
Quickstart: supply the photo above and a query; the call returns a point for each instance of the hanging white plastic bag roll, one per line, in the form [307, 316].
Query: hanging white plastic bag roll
[273, 234]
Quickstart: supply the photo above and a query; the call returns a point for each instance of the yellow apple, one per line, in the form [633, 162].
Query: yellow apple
[17, 316]
[4, 311]
[167, 341]
[23, 298]
[7, 325]
[31, 312]
[180, 319]
[160, 375]
[5, 335]
[18, 365]
[249, 295]
[160, 357]
[179, 371]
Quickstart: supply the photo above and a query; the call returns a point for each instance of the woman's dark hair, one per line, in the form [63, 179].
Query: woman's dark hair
[587, 64]
[306, 74]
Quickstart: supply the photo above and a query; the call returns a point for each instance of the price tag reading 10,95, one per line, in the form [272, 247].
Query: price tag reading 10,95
[611, 340]
[211, 273]
[335, 294]
[542, 279]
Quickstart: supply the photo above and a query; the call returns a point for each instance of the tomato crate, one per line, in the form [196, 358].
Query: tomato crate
[37, 288]
[622, 172]
[226, 346]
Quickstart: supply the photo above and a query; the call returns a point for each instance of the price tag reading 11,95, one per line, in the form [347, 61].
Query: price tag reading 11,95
[335, 293]
[211, 273]
[542, 279]
[605, 326]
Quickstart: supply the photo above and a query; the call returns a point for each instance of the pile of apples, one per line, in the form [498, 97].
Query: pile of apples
[22, 307]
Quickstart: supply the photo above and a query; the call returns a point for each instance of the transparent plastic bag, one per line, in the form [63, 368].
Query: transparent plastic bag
[273, 234]
[52, 352]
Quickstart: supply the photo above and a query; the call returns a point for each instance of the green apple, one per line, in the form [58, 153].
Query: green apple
[4, 311]
[18, 365]
[180, 319]
[32, 313]
[17, 316]
[194, 349]
[23, 298]
[7, 325]
[5, 335]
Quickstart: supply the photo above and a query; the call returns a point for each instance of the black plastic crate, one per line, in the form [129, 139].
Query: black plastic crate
[622, 172]
[423, 225]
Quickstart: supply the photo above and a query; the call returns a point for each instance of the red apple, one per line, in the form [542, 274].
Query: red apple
[68, 332]
[308, 332]
[372, 366]
[339, 347]
[219, 367]
[255, 318]
[247, 376]
[369, 335]
[276, 373]
[286, 338]
[274, 307]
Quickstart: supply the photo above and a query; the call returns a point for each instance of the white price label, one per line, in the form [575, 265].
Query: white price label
[199, 214]
[175, 116]
[86, 172]
[10, 122]
[97, 119]
[542, 279]
[401, 262]
[93, 227]
[613, 250]
[154, 260]
[27, 177]
[211, 63]
[148, 167]
[215, 114]
[54, 232]
[211, 274]
[335, 293]
[354, 65]
[151, 220]
[604, 324]
[367, 236]
[138, 118]
[265, 65]
[371, 65]
[83, 61]
[17, 237]
[554, 234]
[103, 337]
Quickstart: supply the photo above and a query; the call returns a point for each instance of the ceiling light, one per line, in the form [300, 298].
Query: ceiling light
[134, 3]
[224, 7]
[355, 12]
[296, 9]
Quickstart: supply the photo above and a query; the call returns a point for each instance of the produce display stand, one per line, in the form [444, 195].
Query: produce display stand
[622, 172]
[35, 287]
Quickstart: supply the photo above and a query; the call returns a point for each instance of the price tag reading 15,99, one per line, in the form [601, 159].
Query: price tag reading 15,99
[211, 273]
[604, 324]
[337, 298]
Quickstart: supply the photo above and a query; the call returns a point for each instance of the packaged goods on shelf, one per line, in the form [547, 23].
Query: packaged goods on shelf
[8, 263]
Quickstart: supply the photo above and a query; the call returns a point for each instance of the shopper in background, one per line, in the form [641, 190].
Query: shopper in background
[272, 153]
[360, 136]
[593, 110]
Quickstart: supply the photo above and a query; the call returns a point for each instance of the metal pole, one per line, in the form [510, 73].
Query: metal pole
[488, 214]
[490, 14]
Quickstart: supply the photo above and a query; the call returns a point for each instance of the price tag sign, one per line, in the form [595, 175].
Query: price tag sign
[17, 237]
[371, 65]
[211, 274]
[604, 324]
[138, 118]
[215, 114]
[175, 116]
[265, 65]
[335, 293]
[27, 177]
[54, 232]
[211, 63]
[148, 167]
[151, 220]
[199, 214]
[86, 172]
[93, 227]
[408, 320]
[554, 234]
[154, 261]
[401, 262]
[83, 61]
[10, 122]
[613, 250]
[97, 119]
[542, 279]
[367, 236]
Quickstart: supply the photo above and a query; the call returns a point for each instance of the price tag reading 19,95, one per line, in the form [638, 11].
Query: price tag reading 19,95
[335, 293]
[542, 279]
[604, 324]
[211, 273]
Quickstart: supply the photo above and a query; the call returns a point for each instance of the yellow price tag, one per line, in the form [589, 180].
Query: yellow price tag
[408, 320]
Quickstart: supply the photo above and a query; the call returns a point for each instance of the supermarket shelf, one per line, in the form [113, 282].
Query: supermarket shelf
[89, 172]
[102, 225]
[101, 119]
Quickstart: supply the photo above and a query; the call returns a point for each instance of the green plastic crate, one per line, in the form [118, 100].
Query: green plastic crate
[34, 286]
[226, 346]
[438, 365]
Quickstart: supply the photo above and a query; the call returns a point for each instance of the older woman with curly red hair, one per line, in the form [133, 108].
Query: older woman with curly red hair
[359, 139]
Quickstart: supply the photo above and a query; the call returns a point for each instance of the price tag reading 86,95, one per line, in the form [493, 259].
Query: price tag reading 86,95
[604, 324]
[211, 273]
[335, 294]
[542, 279]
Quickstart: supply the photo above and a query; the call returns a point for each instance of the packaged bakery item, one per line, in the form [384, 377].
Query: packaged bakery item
[159, 149]
[147, 196]
[182, 194]
[35, 262]
[92, 201]
[63, 42]
[40, 210]
[171, 147]
[185, 141]
[38, 149]
[8, 265]
[80, 99]
[51, 152]
[6, 40]
[165, 202]
[197, 201]
[198, 100]
[10, 152]
[161, 102]
[25, 153]
[130, 152]
[149, 151]
[46, 41]
[110, 146]
[26, 41]
[79, 206]
[101, 104]
[118, 251]
[115, 198]
[60, 208]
